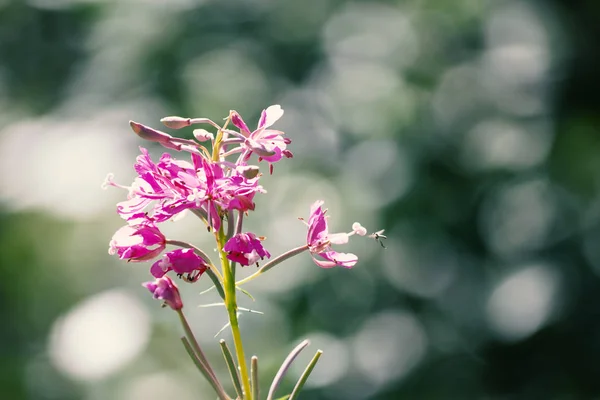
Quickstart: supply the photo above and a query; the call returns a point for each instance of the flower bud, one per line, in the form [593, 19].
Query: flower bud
[202, 135]
[165, 289]
[154, 135]
[176, 122]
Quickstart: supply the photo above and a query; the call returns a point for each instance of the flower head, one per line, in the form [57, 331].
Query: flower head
[245, 249]
[182, 261]
[268, 144]
[140, 241]
[319, 241]
[165, 289]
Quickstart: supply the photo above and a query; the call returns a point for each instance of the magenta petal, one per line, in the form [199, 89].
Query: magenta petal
[165, 289]
[324, 264]
[317, 224]
[346, 260]
[185, 261]
[245, 249]
[156, 270]
[236, 119]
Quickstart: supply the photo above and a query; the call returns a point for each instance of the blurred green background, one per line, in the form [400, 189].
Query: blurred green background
[468, 129]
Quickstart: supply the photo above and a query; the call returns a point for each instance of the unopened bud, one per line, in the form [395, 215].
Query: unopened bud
[153, 135]
[202, 135]
[237, 120]
[176, 122]
[165, 289]
[145, 132]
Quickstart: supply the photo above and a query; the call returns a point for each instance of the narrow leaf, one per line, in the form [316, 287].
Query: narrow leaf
[207, 290]
[211, 305]
[202, 368]
[284, 367]
[254, 377]
[233, 371]
[250, 311]
[245, 292]
[222, 329]
[305, 375]
[216, 282]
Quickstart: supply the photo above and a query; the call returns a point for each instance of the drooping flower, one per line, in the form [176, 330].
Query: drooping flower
[268, 144]
[319, 240]
[141, 241]
[185, 262]
[245, 249]
[164, 288]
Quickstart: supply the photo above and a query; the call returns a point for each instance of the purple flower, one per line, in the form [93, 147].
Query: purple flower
[171, 186]
[141, 241]
[268, 144]
[245, 249]
[182, 261]
[165, 289]
[319, 241]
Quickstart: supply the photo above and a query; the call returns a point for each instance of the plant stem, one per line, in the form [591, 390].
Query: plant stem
[277, 260]
[231, 304]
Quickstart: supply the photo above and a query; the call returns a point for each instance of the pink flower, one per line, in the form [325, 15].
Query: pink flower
[182, 261]
[319, 241]
[138, 242]
[268, 144]
[245, 249]
[171, 186]
[165, 289]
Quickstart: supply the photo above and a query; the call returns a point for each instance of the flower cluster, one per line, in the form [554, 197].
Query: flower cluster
[216, 181]
[213, 187]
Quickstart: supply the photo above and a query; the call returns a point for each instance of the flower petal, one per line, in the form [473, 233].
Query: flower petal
[270, 116]
[346, 260]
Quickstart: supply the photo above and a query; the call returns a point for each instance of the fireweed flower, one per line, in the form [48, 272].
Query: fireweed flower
[165, 289]
[268, 144]
[172, 186]
[245, 249]
[139, 242]
[319, 240]
[220, 191]
[185, 262]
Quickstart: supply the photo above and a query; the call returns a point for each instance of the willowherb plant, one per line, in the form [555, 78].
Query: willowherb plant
[220, 192]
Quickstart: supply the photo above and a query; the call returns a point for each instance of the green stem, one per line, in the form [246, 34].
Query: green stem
[231, 304]
[277, 260]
